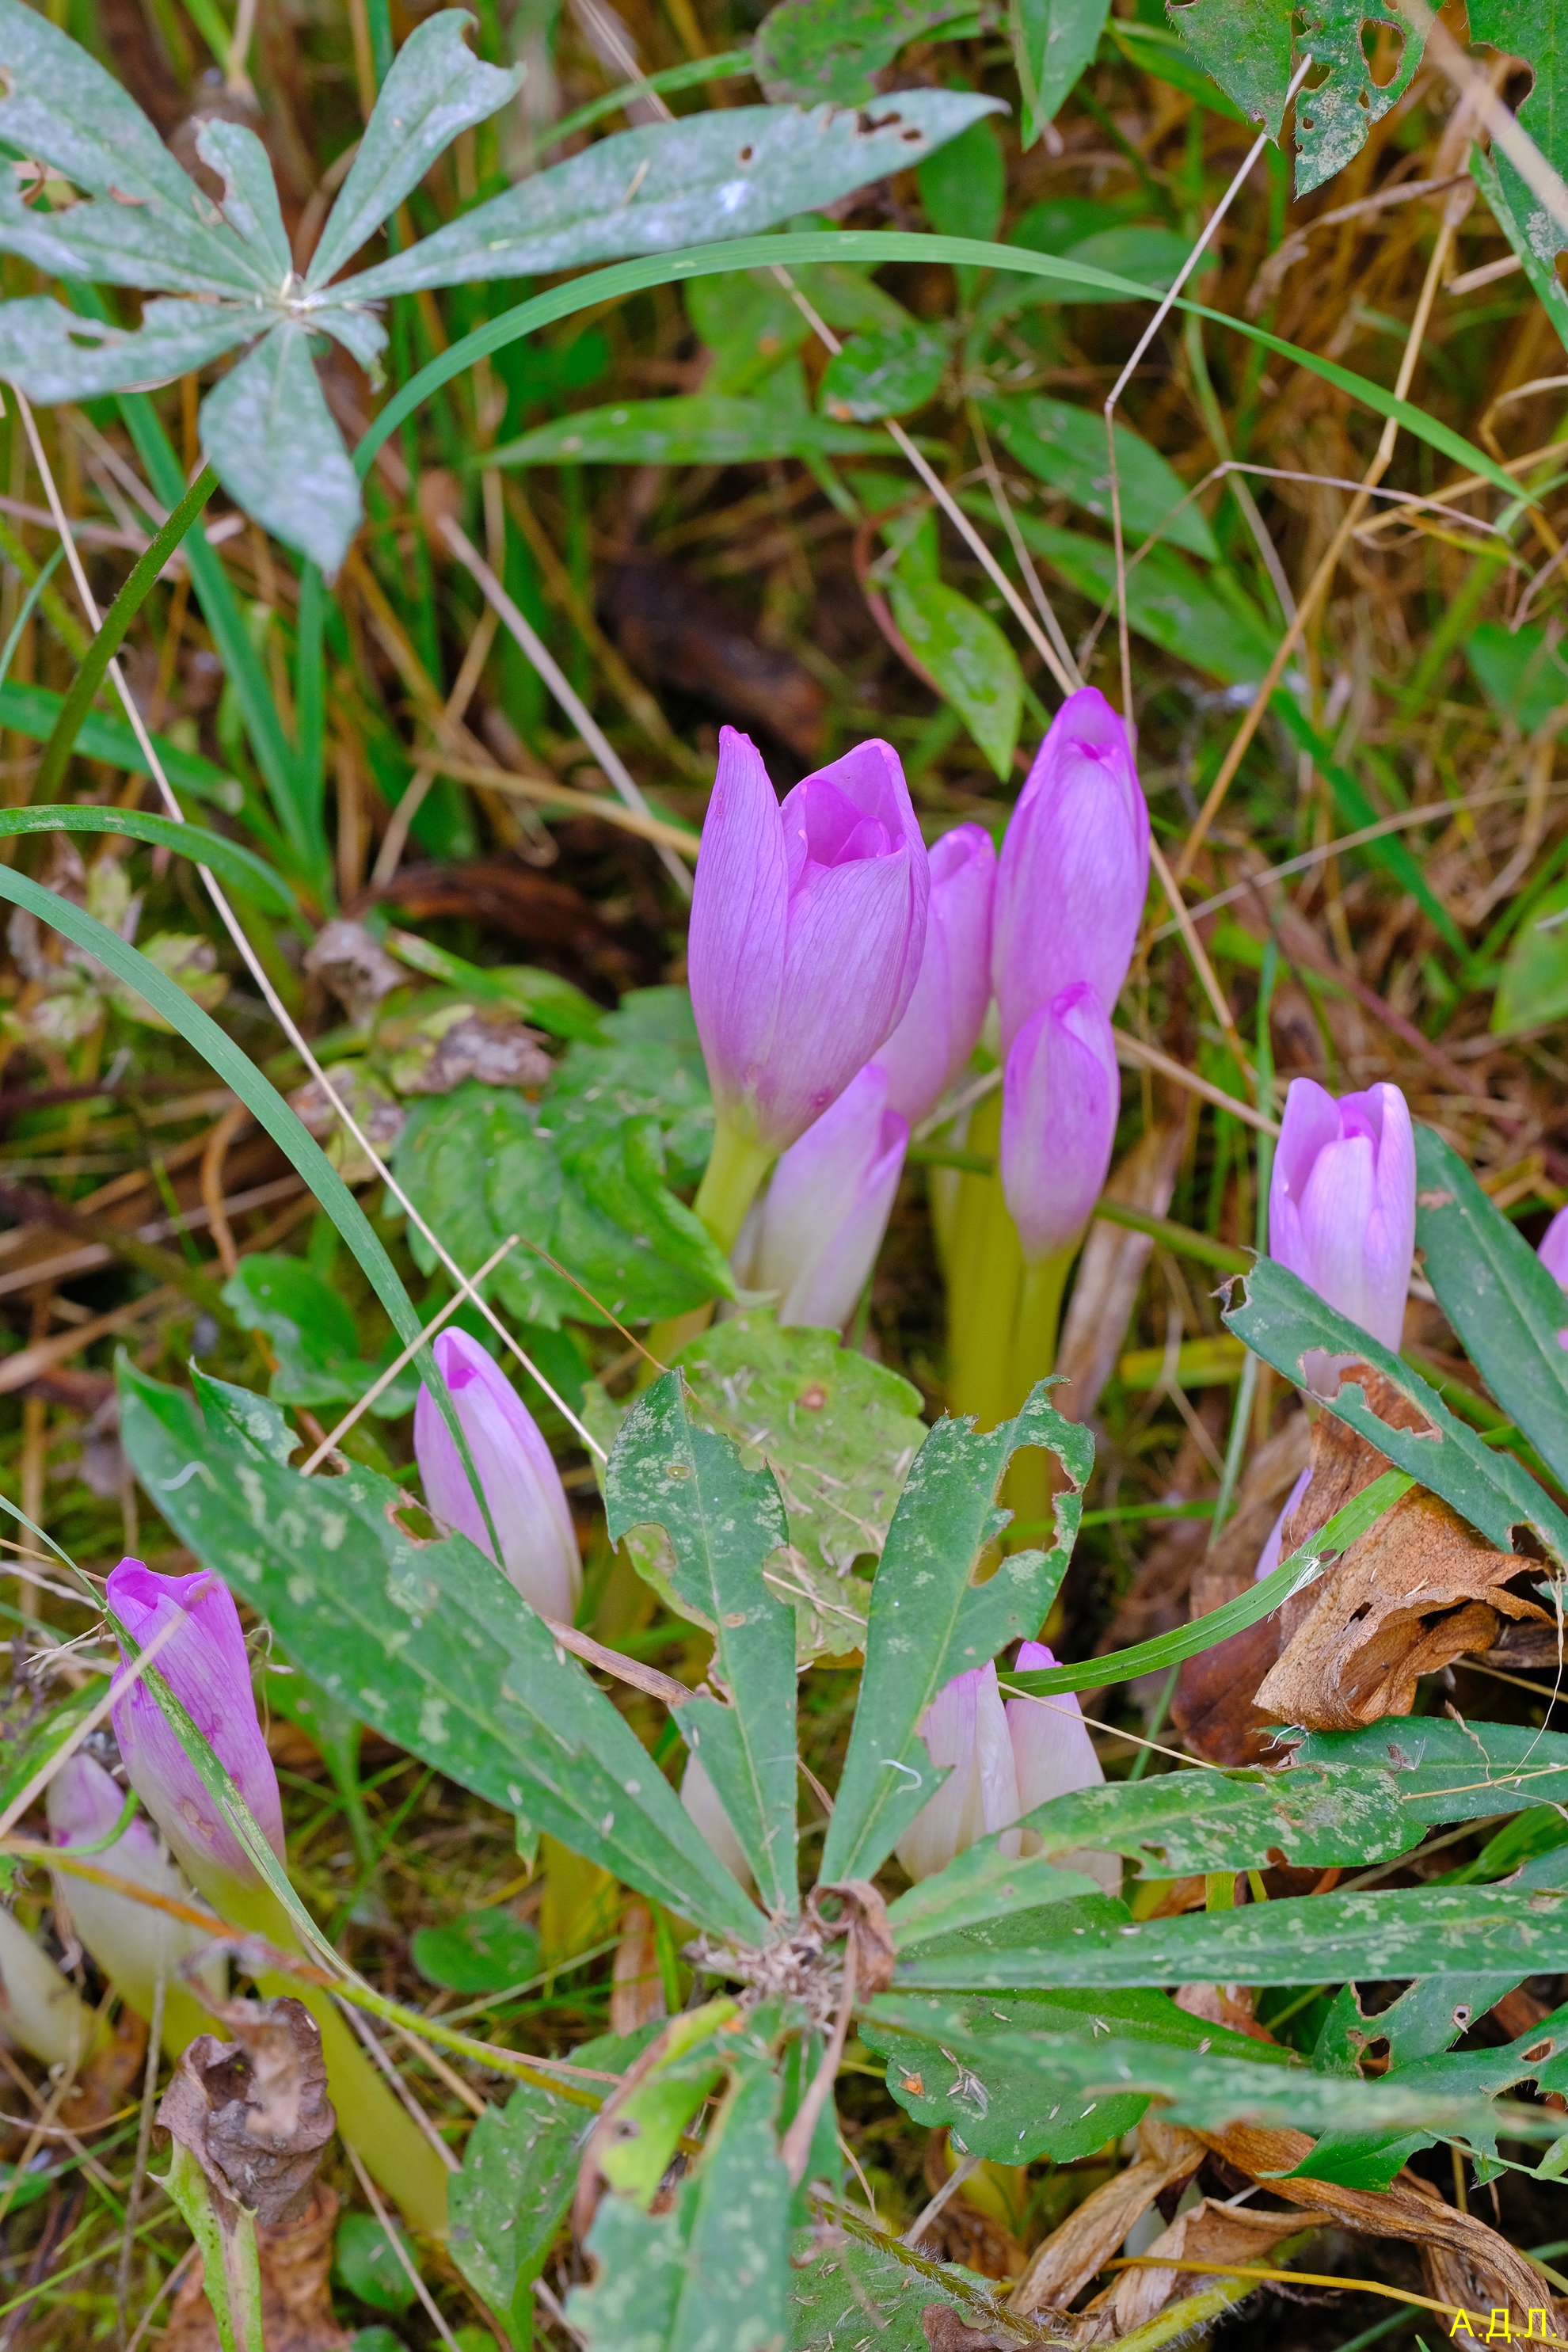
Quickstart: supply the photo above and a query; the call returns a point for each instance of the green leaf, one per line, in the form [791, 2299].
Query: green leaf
[1132, 251]
[969, 660]
[1356, 806]
[1508, 1310]
[519, 2169]
[1155, 49]
[364, 2262]
[888, 371]
[1512, 202]
[814, 49]
[1053, 40]
[711, 2274]
[1449, 1772]
[485, 1951]
[723, 1522]
[425, 1641]
[24, 1754]
[249, 194]
[1436, 1931]
[153, 227]
[1531, 29]
[696, 428]
[483, 1162]
[229, 859]
[997, 2112]
[1533, 989]
[1283, 1322]
[53, 354]
[930, 1621]
[642, 1060]
[874, 249]
[1342, 101]
[312, 1334]
[542, 997]
[1065, 447]
[269, 433]
[437, 87]
[964, 186]
[1245, 46]
[1205, 2088]
[864, 2288]
[1521, 673]
[34, 711]
[733, 171]
[1357, 1518]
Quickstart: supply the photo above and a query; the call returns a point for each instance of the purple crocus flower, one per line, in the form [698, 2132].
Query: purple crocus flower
[132, 1943]
[928, 1050]
[1053, 1755]
[1341, 1206]
[965, 1728]
[1061, 1096]
[521, 1484]
[205, 1667]
[1074, 869]
[827, 1205]
[808, 924]
[1553, 1250]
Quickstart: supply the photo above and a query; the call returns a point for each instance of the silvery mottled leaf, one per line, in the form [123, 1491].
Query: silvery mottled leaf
[54, 355]
[436, 89]
[249, 192]
[268, 430]
[153, 226]
[725, 173]
[359, 332]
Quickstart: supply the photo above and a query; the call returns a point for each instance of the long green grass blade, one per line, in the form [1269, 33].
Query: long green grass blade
[228, 859]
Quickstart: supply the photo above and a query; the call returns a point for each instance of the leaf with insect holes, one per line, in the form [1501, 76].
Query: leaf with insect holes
[53, 354]
[929, 1621]
[834, 49]
[1533, 30]
[425, 1641]
[711, 2273]
[725, 173]
[270, 435]
[1251, 48]
[1065, 447]
[1245, 46]
[1512, 206]
[437, 87]
[723, 1521]
[1284, 1322]
[998, 2114]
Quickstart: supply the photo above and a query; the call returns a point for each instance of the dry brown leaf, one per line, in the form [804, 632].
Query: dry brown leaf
[1226, 2005]
[254, 2112]
[1458, 2247]
[636, 1988]
[1086, 2241]
[1209, 2234]
[1105, 1290]
[295, 2262]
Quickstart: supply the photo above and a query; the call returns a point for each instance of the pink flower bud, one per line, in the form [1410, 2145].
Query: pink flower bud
[1341, 1206]
[1074, 870]
[827, 1206]
[1053, 1755]
[965, 1726]
[205, 1666]
[1553, 1250]
[1061, 1096]
[807, 928]
[132, 1943]
[521, 1484]
[700, 1798]
[928, 1050]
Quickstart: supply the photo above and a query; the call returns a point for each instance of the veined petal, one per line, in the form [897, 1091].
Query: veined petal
[739, 904]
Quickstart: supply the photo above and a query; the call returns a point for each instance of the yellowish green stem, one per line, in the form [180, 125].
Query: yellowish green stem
[984, 1276]
[1035, 1476]
[730, 1183]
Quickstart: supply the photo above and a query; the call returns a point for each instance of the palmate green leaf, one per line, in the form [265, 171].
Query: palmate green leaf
[1205, 2089]
[148, 225]
[809, 50]
[968, 658]
[437, 87]
[483, 1162]
[711, 2275]
[642, 1060]
[929, 1621]
[425, 1641]
[1425, 1931]
[1509, 1311]
[1283, 1322]
[312, 1335]
[1000, 2114]
[1053, 40]
[694, 428]
[730, 172]
[723, 1522]
[1065, 447]
[53, 354]
[873, 250]
[270, 435]
[231, 860]
[864, 2288]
